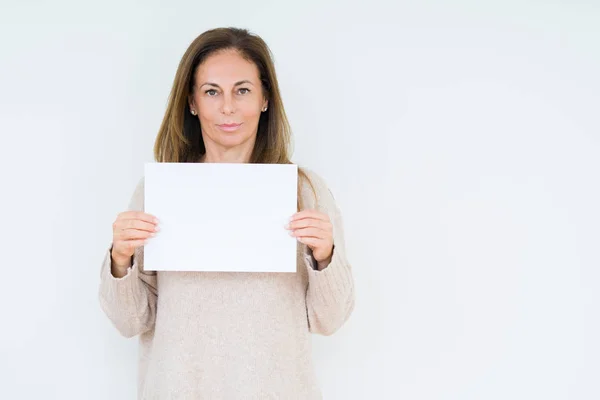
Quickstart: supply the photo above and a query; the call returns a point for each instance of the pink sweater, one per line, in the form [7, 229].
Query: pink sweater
[231, 335]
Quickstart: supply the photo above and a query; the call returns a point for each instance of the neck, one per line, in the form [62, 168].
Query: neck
[233, 155]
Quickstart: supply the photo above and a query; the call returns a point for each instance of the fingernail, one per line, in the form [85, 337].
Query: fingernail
[152, 234]
[291, 233]
[156, 220]
[287, 226]
[156, 229]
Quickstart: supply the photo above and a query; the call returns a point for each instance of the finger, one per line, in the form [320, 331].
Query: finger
[137, 224]
[309, 222]
[309, 232]
[138, 215]
[134, 234]
[309, 214]
[311, 241]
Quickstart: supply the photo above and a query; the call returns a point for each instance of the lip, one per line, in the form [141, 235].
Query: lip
[229, 127]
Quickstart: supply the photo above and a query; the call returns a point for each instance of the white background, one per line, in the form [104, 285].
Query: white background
[461, 140]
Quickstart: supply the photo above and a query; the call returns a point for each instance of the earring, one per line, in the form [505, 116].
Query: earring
[193, 112]
[264, 109]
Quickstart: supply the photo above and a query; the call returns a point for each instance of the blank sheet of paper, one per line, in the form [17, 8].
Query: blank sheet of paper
[221, 217]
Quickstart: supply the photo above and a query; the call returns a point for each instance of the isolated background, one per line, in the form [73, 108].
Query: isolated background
[461, 140]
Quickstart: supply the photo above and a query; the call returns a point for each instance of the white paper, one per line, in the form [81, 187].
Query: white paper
[221, 217]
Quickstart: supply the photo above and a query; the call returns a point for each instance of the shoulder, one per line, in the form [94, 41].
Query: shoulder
[311, 180]
[308, 177]
[136, 202]
[315, 190]
[139, 187]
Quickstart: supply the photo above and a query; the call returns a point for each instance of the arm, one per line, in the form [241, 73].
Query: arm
[129, 301]
[330, 292]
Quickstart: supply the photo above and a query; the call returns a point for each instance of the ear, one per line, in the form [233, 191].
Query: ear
[191, 102]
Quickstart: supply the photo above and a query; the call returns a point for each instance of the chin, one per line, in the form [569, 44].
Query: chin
[234, 139]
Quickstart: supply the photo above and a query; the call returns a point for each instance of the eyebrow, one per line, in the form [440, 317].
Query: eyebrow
[236, 84]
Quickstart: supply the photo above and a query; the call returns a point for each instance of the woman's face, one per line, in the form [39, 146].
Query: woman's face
[228, 91]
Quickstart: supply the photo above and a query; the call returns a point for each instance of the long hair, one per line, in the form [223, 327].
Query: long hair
[180, 139]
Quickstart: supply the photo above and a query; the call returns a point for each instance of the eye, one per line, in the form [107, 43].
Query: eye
[246, 90]
[209, 91]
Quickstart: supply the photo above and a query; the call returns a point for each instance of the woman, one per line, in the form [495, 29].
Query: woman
[229, 335]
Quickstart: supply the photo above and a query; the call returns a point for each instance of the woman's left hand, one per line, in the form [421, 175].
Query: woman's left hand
[314, 229]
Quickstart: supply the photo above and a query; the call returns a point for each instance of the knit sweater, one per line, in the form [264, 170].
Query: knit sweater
[231, 335]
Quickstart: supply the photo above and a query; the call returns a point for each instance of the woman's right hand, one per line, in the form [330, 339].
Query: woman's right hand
[131, 230]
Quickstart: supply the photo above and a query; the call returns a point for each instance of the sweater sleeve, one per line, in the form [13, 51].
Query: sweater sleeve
[129, 302]
[330, 292]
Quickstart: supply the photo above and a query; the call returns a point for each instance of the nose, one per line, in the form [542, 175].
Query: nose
[228, 106]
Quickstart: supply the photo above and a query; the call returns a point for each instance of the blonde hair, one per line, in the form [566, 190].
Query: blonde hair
[180, 139]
